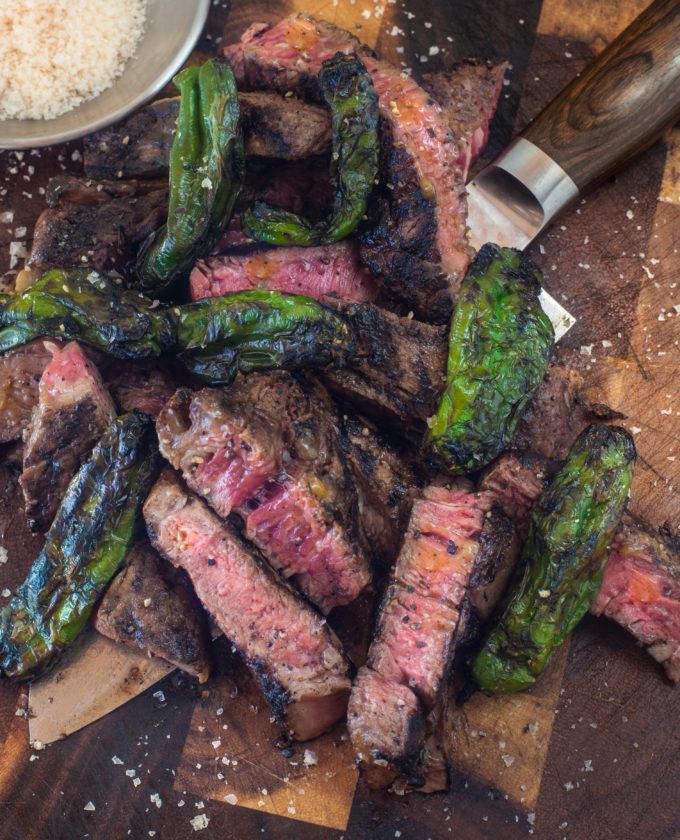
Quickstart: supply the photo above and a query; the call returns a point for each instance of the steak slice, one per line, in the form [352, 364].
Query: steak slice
[268, 450]
[516, 480]
[417, 244]
[73, 411]
[314, 272]
[139, 385]
[98, 225]
[20, 372]
[145, 608]
[410, 656]
[641, 592]
[397, 374]
[468, 95]
[386, 479]
[291, 650]
[274, 126]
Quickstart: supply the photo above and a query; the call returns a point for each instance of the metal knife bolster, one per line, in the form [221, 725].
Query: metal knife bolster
[522, 191]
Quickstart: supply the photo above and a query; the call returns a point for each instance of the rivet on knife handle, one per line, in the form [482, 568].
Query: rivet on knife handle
[620, 104]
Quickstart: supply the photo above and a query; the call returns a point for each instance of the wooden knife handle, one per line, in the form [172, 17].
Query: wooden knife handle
[620, 104]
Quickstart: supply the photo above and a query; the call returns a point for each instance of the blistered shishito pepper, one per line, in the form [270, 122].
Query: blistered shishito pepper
[207, 165]
[561, 567]
[348, 91]
[499, 346]
[258, 330]
[89, 538]
[83, 305]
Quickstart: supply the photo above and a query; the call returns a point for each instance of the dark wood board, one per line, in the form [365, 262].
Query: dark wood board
[593, 751]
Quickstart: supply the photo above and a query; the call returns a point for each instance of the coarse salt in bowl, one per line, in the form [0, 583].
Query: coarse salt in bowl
[79, 78]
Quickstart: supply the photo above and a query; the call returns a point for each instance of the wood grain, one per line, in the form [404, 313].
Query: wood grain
[604, 702]
[620, 104]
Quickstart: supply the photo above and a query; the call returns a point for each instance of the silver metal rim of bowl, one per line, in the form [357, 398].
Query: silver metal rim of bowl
[32, 140]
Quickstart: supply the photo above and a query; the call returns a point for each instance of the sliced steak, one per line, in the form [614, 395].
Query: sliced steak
[397, 375]
[468, 95]
[641, 592]
[73, 410]
[315, 272]
[99, 225]
[415, 642]
[417, 241]
[293, 653]
[141, 385]
[385, 479]
[274, 126]
[516, 480]
[268, 450]
[20, 372]
[146, 608]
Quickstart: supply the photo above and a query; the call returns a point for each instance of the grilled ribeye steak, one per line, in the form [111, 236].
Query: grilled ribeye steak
[641, 592]
[385, 480]
[417, 242]
[468, 95]
[274, 126]
[291, 650]
[98, 225]
[516, 480]
[141, 385]
[424, 619]
[73, 410]
[146, 607]
[20, 372]
[315, 272]
[397, 374]
[268, 449]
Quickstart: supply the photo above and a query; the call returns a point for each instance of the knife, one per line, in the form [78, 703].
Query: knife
[614, 110]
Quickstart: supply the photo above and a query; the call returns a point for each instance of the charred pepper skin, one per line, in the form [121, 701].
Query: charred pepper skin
[348, 91]
[91, 534]
[499, 346]
[207, 165]
[86, 306]
[569, 537]
[258, 330]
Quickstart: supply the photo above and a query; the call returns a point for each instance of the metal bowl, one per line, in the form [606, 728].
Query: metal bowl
[172, 29]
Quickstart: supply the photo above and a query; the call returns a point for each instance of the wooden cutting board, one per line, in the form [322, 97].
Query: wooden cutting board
[593, 751]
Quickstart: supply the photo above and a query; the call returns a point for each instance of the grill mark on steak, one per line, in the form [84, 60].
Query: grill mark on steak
[314, 272]
[268, 449]
[146, 608]
[73, 411]
[423, 210]
[274, 126]
[96, 225]
[386, 478]
[296, 657]
[397, 373]
[415, 642]
[468, 95]
[641, 592]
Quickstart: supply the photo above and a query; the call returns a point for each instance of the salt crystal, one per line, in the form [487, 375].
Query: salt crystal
[508, 760]
[6, 217]
[433, 51]
[200, 822]
[89, 807]
[116, 760]
[231, 798]
[155, 798]
[310, 758]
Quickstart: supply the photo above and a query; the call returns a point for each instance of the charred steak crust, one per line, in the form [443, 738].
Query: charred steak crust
[397, 374]
[73, 411]
[96, 225]
[144, 607]
[20, 372]
[269, 451]
[290, 648]
[641, 592]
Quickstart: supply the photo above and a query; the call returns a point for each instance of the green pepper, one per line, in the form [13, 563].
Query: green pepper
[499, 346]
[561, 567]
[258, 330]
[207, 165]
[91, 534]
[348, 91]
[83, 305]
